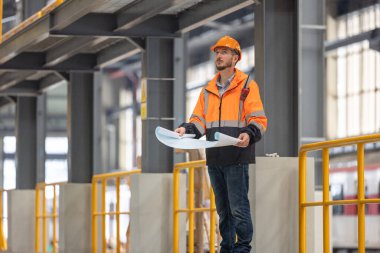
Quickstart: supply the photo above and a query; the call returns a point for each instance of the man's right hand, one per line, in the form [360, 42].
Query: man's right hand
[181, 131]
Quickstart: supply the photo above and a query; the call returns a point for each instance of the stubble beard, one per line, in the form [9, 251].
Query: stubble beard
[223, 67]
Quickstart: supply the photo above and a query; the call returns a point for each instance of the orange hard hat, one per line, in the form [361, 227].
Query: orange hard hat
[227, 41]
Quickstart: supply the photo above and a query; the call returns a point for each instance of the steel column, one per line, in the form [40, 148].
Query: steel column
[80, 127]
[157, 104]
[311, 76]
[179, 99]
[26, 143]
[276, 47]
[41, 137]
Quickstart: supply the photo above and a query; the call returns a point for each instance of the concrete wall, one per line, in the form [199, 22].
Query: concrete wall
[75, 218]
[152, 213]
[21, 221]
[273, 196]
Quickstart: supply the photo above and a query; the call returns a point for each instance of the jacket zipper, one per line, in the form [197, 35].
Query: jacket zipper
[220, 111]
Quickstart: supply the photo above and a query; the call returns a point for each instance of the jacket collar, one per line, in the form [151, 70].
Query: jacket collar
[239, 78]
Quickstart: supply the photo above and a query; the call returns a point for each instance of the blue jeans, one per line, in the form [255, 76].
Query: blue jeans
[230, 184]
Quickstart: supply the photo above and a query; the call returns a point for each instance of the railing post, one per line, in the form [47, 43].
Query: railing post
[175, 211]
[361, 197]
[1, 23]
[44, 223]
[94, 217]
[191, 209]
[302, 200]
[326, 198]
[54, 219]
[118, 214]
[104, 241]
[38, 214]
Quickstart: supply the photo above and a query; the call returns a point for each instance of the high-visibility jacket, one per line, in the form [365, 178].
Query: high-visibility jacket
[231, 115]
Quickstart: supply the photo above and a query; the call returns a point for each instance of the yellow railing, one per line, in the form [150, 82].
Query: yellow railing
[326, 202]
[42, 216]
[103, 213]
[3, 241]
[1, 23]
[44, 11]
[191, 209]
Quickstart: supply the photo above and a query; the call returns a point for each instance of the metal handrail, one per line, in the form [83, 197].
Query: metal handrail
[361, 201]
[43, 12]
[95, 213]
[190, 210]
[44, 216]
[3, 241]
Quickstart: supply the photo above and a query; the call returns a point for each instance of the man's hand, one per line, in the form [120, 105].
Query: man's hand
[181, 131]
[243, 140]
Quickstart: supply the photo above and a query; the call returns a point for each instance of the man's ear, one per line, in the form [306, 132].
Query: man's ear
[236, 58]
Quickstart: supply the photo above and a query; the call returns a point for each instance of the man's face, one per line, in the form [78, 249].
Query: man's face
[225, 58]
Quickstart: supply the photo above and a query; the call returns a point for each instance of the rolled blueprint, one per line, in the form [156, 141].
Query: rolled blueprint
[172, 139]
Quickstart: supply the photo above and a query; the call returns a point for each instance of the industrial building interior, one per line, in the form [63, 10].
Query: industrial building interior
[84, 84]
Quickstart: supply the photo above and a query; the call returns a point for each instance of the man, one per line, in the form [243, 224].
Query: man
[230, 104]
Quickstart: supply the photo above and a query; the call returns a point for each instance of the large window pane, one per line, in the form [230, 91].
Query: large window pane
[56, 171]
[9, 144]
[56, 145]
[9, 174]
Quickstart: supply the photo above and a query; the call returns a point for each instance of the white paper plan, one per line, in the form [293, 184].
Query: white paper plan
[187, 141]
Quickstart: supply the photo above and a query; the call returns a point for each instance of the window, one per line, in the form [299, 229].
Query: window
[355, 88]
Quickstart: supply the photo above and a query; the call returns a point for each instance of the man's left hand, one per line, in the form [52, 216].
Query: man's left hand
[243, 140]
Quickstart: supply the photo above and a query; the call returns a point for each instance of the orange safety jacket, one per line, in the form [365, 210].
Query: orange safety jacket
[229, 114]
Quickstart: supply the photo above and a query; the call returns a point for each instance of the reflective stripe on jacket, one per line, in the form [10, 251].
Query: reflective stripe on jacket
[229, 115]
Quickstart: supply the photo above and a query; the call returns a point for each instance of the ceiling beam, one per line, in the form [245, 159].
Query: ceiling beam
[9, 79]
[36, 62]
[207, 11]
[29, 36]
[5, 101]
[24, 89]
[141, 11]
[25, 61]
[49, 81]
[79, 63]
[69, 49]
[71, 11]
[158, 26]
[104, 25]
[369, 35]
[117, 52]
[93, 24]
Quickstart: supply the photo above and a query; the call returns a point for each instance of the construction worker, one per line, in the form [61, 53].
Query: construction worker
[230, 103]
